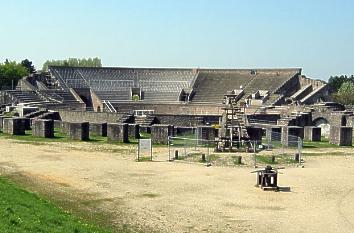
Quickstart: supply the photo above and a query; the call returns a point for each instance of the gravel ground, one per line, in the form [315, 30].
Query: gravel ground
[186, 197]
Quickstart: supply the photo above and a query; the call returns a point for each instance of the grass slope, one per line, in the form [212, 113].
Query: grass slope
[22, 211]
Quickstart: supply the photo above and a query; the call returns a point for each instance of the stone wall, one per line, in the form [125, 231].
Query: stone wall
[76, 116]
[96, 102]
[186, 120]
[180, 130]
[171, 108]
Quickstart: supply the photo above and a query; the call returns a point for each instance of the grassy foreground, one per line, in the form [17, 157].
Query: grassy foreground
[22, 211]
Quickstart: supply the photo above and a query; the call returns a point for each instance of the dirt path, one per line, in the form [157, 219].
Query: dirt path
[180, 197]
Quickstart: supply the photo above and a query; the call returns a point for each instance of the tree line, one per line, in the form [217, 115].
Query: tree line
[74, 62]
[11, 71]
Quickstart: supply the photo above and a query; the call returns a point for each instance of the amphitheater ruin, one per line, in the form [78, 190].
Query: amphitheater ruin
[276, 99]
[230, 120]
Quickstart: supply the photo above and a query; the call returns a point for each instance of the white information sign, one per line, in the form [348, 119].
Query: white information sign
[144, 146]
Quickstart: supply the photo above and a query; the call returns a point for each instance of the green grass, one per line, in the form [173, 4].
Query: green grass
[22, 211]
[324, 143]
[279, 159]
[60, 137]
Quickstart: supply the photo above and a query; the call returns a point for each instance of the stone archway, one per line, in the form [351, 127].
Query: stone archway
[324, 124]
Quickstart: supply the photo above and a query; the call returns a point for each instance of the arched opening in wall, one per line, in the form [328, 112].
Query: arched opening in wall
[324, 125]
[343, 121]
[99, 109]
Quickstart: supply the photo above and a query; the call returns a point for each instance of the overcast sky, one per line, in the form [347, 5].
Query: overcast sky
[315, 35]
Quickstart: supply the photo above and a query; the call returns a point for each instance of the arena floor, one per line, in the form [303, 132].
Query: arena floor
[182, 197]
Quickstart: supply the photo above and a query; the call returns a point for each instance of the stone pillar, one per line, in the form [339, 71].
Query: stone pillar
[312, 134]
[14, 126]
[2, 121]
[99, 129]
[206, 133]
[255, 133]
[290, 135]
[117, 132]
[43, 128]
[341, 135]
[273, 133]
[134, 130]
[160, 133]
[79, 130]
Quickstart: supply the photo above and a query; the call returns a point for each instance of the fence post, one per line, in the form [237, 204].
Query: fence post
[254, 154]
[299, 149]
[169, 148]
[185, 147]
[208, 151]
[138, 151]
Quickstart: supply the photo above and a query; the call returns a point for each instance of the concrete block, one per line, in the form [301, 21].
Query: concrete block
[160, 133]
[312, 133]
[79, 130]
[14, 126]
[43, 128]
[2, 121]
[290, 135]
[341, 135]
[117, 132]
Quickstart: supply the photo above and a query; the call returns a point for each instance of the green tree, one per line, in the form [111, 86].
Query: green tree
[335, 82]
[28, 65]
[345, 94]
[10, 73]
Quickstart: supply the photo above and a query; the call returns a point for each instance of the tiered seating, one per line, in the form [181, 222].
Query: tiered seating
[59, 95]
[24, 96]
[161, 84]
[161, 96]
[114, 96]
[121, 78]
[269, 81]
[211, 86]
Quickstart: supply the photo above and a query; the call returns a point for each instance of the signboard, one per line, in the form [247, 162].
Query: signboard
[144, 146]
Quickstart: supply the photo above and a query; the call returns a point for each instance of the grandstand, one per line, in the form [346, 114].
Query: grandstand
[98, 88]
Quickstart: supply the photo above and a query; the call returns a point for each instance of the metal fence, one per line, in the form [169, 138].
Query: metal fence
[272, 149]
